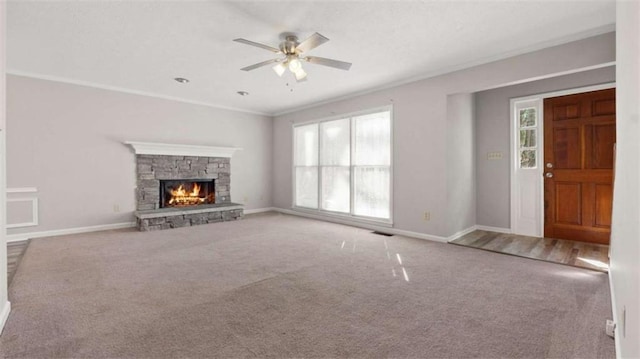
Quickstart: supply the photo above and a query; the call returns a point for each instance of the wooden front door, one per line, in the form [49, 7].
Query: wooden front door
[579, 139]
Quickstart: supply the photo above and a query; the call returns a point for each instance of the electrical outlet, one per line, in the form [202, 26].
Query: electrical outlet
[427, 216]
[116, 208]
[494, 156]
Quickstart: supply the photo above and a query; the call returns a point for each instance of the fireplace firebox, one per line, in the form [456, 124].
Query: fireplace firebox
[186, 192]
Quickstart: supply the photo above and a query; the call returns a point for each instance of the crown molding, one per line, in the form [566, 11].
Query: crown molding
[128, 91]
[169, 149]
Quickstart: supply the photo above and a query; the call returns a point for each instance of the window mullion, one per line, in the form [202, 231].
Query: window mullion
[352, 186]
[320, 148]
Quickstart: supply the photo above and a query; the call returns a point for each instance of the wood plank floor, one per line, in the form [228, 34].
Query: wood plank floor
[578, 254]
[15, 251]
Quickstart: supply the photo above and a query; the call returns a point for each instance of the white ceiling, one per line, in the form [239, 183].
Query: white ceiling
[141, 46]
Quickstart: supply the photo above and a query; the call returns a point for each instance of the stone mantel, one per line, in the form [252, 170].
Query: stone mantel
[169, 149]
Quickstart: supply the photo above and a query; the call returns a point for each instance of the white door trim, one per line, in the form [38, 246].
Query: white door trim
[513, 159]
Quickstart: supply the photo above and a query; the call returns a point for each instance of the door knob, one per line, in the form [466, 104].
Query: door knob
[549, 165]
[548, 174]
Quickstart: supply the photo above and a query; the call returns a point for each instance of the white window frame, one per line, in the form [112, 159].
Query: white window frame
[529, 178]
[294, 167]
[341, 215]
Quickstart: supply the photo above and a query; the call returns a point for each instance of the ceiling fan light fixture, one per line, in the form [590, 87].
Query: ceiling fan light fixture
[300, 74]
[295, 65]
[280, 69]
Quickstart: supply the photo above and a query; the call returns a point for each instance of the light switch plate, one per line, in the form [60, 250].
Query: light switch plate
[494, 156]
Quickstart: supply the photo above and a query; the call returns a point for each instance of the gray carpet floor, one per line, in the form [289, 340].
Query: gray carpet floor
[281, 286]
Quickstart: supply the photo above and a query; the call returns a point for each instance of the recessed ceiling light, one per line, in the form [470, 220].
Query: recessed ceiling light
[181, 80]
[242, 93]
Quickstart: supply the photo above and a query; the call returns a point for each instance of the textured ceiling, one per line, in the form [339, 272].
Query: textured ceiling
[142, 46]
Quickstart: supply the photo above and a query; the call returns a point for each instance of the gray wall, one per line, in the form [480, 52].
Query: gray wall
[420, 126]
[625, 230]
[4, 300]
[461, 166]
[66, 140]
[492, 135]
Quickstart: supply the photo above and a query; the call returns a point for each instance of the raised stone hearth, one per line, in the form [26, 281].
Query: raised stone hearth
[156, 162]
[167, 218]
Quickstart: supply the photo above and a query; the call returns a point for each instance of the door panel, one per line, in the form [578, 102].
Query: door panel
[603, 137]
[603, 202]
[566, 147]
[568, 203]
[567, 110]
[579, 143]
[604, 107]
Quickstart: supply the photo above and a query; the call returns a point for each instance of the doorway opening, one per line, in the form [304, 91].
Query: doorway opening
[562, 147]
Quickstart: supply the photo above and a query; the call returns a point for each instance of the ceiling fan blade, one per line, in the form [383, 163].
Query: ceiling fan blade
[312, 42]
[328, 62]
[257, 44]
[260, 64]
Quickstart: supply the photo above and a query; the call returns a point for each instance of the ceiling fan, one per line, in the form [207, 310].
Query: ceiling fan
[294, 52]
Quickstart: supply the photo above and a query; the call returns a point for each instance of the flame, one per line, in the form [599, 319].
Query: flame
[180, 196]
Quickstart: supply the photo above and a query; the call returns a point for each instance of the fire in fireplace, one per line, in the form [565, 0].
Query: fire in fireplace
[181, 193]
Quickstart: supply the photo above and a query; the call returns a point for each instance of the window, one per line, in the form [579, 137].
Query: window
[343, 165]
[527, 122]
[306, 166]
[335, 164]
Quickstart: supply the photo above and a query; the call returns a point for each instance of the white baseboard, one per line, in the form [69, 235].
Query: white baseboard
[60, 232]
[258, 210]
[4, 315]
[401, 232]
[373, 227]
[461, 233]
[614, 311]
[494, 229]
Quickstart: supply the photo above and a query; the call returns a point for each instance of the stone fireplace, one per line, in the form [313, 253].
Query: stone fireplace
[154, 170]
[180, 185]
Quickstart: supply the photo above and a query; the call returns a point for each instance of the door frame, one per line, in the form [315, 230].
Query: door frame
[514, 150]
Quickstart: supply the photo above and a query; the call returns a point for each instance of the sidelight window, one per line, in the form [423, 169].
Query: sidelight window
[527, 144]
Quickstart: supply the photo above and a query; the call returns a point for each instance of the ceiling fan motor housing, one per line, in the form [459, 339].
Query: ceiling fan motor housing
[288, 46]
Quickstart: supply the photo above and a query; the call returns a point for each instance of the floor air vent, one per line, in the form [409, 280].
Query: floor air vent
[382, 234]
